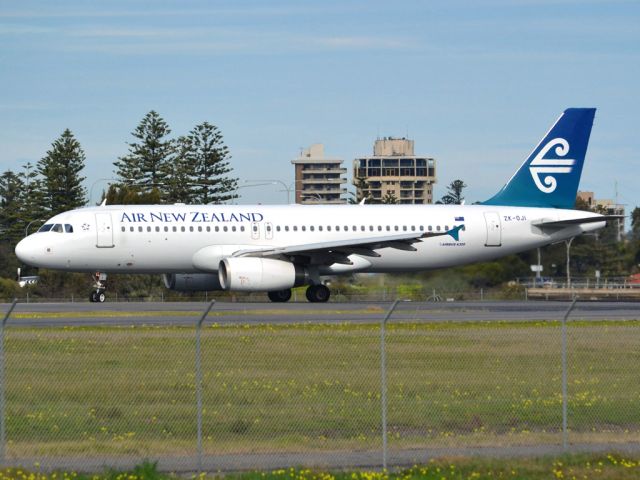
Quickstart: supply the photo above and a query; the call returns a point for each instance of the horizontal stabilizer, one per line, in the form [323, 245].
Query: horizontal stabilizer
[576, 221]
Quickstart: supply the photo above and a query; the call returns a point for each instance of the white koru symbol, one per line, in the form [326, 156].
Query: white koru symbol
[541, 165]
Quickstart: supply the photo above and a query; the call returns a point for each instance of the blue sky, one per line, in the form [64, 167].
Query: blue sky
[475, 84]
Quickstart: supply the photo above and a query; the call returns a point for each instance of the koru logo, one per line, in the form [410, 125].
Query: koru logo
[551, 166]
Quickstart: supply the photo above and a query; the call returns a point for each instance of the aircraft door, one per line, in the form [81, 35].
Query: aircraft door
[494, 230]
[255, 230]
[268, 231]
[104, 230]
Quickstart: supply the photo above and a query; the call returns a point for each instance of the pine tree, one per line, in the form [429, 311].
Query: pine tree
[390, 198]
[454, 193]
[33, 207]
[60, 170]
[180, 173]
[209, 158]
[148, 155]
[11, 190]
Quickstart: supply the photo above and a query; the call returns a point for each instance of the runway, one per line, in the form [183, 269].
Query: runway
[188, 313]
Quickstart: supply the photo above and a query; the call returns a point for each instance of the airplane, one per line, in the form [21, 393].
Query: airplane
[261, 248]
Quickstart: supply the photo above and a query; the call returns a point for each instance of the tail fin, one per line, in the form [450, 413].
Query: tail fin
[549, 177]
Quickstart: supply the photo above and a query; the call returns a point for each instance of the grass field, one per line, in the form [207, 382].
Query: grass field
[297, 388]
[583, 467]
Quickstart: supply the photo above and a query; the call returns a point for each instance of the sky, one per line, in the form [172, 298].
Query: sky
[475, 84]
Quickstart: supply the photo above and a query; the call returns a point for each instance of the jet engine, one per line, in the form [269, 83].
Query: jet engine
[251, 274]
[191, 282]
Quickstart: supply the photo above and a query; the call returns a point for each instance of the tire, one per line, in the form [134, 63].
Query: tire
[101, 297]
[93, 297]
[280, 296]
[318, 294]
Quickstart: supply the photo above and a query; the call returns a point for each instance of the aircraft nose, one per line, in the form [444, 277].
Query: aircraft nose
[25, 250]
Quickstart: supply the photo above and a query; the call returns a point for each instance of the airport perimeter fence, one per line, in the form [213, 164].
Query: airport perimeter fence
[229, 394]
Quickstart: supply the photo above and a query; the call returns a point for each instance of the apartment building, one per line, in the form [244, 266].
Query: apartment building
[395, 170]
[319, 179]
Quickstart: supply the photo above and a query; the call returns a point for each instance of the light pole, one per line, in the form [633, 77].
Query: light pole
[273, 182]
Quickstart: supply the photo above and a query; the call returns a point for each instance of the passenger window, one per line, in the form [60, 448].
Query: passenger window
[199, 228]
[208, 228]
[295, 228]
[45, 228]
[396, 228]
[413, 228]
[404, 228]
[131, 229]
[311, 228]
[362, 228]
[182, 229]
[157, 229]
[328, 228]
[139, 229]
[191, 229]
[438, 228]
[346, 228]
[124, 229]
[241, 228]
[422, 228]
[148, 229]
[446, 228]
[319, 228]
[225, 228]
[371, 228]
[68, 228]
[379, 228]
[217, 228]
[166, 229]
[304, 229]
[388, 228]
[277, 228]
[175, 229]
[354, 228]
[233, 229]
[430, 228]
[286, 228]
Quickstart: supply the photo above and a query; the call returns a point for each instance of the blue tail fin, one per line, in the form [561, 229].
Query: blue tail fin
[549, 177]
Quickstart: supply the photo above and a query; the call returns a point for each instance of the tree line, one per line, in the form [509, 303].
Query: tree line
[158, 168]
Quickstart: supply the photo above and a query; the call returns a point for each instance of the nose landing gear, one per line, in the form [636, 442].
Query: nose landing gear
[98, 295]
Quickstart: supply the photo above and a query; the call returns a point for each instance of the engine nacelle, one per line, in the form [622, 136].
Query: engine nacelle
[250, 274]
[191, 282]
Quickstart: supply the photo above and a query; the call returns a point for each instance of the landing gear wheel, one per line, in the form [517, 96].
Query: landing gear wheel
[97, 297]
[97, 294]
[318, 293]
[280, 296]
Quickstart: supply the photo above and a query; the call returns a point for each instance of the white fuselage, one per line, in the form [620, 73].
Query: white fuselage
[167, 238]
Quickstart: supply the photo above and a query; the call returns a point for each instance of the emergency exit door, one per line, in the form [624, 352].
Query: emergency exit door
[104, 230]
[494, 230]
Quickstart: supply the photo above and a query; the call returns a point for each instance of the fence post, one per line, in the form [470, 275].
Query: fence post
[199, 381]
[383, 380]
[564, 374]
[2, 382]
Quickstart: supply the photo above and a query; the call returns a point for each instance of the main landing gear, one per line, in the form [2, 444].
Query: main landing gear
[97, 295]
[315, 294]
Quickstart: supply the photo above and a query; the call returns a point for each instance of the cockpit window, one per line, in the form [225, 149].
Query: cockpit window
[68, 228]
[57, 228]
[46, 227]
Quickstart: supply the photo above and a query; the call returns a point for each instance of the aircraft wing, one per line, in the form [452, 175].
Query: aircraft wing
[343, 248]
[576, 221]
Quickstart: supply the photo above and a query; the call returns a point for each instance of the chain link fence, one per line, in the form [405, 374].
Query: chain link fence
[230, 394]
